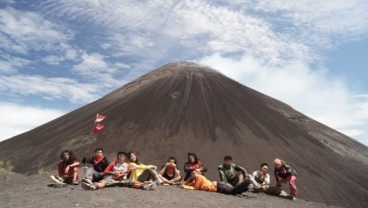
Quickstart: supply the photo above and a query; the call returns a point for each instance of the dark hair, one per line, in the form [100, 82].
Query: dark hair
[172, 158]
[136, 158]
[196, 160]
[121, 153]
[71, 159]
[98, 149]
[263, 164]
[228, 157]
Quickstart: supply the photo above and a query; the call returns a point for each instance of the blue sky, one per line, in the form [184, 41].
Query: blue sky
[58, 55]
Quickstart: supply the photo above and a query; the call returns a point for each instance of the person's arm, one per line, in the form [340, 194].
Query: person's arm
[203, 168]
[144, 167]
[74, 166]
[267, 180]
[222, 174]
[241, 169]
[108, 170]
[276, 177]
[177, 175]
[187, 168]
[87, 160]
[288, 169]
[188, 187]
[162, 171]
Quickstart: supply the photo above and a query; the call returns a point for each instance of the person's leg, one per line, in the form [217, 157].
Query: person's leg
[75, 173]
[90, 173]
[239, 177]
[68, 180]
[126, 183]
[224, 188]
[240, 188]
[163, 179]
[145, 176]
[98, 176]
[293, 189]
[144, 186]
[175, 180]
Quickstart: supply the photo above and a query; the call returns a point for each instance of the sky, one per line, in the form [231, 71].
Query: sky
[59, 55]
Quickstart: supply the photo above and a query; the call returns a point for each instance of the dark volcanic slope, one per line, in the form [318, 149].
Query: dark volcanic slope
[184, 107]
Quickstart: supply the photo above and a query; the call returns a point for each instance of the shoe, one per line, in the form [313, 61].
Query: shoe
[86, 180]
[57, 179]
[293, 198]
[75, 182]
[159, 181]
[149, 186]
[88, 186]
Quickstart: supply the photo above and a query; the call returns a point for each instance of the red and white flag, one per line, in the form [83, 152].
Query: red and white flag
[99, 118]
[98, 128]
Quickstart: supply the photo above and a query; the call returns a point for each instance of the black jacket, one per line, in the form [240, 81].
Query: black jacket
[100, 167]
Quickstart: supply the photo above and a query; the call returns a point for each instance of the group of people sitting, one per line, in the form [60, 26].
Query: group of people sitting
[128, 171]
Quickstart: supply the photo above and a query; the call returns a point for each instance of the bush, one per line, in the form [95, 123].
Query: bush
[7, 168]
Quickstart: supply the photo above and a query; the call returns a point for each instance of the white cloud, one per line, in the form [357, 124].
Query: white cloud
[318, 19]
[9, 64]
[53, 60]
[23, 31]
[49, 88]
[159, 27]
[315, 92]
[95, 67]
[21, 118]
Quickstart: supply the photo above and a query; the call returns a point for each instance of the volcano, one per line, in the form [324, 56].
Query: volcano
[186, 107]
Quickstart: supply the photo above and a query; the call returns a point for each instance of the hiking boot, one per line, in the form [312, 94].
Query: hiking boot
[86, 180]
[88, 186]
[57, 179]
[75, 182]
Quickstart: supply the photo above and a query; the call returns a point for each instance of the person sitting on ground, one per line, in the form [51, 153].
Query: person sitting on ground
[117, 175]
[170, 174]
[262, 178]
[67, 168]
[99, 162]
[199, 182]
[193, 164]
[140, 172]
[231, 173]
[285, 174]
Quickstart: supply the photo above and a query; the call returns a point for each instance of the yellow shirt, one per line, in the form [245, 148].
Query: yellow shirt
[137, 170]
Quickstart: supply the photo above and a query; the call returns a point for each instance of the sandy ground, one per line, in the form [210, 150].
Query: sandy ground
[33, 191]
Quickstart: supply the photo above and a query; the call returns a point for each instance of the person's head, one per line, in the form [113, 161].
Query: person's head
[278, 163]
[172, 160]
[264, 168]
[121, 157]
[67, 156]
[228, 160]
[193, 173]
[192, 158]
[133, 158]
[98, 152]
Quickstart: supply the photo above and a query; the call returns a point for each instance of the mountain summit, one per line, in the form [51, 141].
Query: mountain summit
[186, 107]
